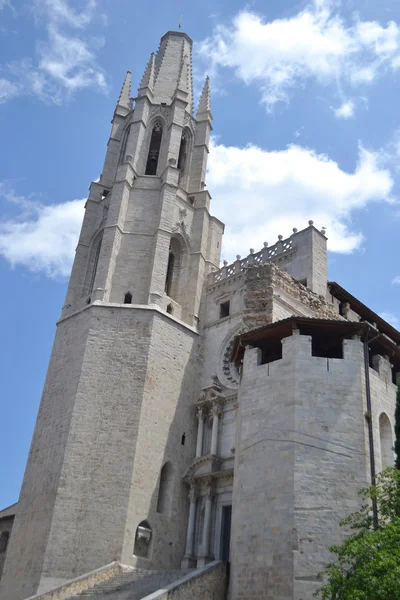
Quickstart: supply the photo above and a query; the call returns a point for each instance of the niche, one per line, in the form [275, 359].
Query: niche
[128, 298]
[143, 539]
[386, 440]
[166, 489]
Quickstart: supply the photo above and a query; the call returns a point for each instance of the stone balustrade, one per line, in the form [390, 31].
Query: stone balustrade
[266, 253]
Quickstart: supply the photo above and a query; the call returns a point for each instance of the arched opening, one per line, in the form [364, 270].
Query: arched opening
[183, 151]
[166, 489]
[143, 538]
[122, 154]
[154, 150]
[4, 537]
[128, 298]
[175, 269]
[94, 260]
[170, 309]
[386, 439]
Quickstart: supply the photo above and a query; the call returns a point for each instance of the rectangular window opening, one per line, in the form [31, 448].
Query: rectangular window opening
[224, 309]
[271, 352]
[327, 347]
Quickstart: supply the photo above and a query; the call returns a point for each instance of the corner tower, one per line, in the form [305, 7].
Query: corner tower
[115, 429]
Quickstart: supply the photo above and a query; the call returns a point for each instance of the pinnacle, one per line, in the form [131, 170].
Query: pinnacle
[124, 96]
[148, 76]
[205, 98]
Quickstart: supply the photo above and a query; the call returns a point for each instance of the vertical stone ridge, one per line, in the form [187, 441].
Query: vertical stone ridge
[149, 74]
[205, 98]
[124, 96]
[162, 48]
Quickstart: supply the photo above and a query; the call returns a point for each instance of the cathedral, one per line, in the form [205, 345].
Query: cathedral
[203, 428]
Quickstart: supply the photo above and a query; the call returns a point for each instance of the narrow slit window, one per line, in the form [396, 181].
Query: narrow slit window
[224, 309]
[182, 152]
[170, 270]
[154, 150]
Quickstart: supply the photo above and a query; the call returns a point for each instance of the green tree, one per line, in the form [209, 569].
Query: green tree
[367, 564]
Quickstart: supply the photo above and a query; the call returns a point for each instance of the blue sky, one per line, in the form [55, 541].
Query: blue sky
[306, 126]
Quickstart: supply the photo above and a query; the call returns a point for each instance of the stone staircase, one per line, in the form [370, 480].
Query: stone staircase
[130, 585]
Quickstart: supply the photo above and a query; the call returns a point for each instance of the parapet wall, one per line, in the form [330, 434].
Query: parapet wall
[208, 583]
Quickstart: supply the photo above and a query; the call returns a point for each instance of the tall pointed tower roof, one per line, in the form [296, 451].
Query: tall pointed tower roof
[173, 67]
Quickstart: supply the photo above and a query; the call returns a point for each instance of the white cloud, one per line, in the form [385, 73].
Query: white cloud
[315, 43]
[260, 194]
[8, 90]
[396, 280]
[391, 318]
[65, 58]
[61, 12]
[6, 3]
[42, 238]
[345, 110]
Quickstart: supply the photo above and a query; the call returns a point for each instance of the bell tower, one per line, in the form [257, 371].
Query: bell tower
[147, 233]
[115, 430]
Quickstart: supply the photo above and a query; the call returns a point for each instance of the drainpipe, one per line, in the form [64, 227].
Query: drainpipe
[369, 420]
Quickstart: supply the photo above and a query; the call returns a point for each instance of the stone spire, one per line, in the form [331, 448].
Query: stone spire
[123, 100]
[148, 76]
[173, 68]
[205, 100]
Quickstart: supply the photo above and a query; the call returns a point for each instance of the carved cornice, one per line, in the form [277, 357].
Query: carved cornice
[209, 480]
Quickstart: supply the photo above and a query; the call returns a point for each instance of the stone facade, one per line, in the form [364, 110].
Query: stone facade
[164, 438]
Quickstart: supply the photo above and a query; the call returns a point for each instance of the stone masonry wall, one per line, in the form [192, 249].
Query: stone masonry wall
[167, 414]
[260, 285]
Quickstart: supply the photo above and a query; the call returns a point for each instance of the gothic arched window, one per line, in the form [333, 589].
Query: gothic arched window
[166, 489]
[154, 150]
[386, 439]
[143, 538]
[175, 270]
[128, 298]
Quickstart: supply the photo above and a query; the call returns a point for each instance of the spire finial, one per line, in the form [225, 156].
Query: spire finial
[124, 96]
[148, 75]
[205, 98]
[180, 22]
